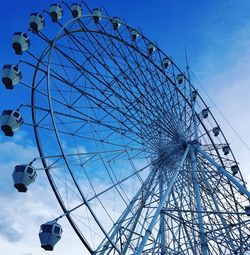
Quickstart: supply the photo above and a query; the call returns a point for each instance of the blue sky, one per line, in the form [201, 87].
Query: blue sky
[217, 37]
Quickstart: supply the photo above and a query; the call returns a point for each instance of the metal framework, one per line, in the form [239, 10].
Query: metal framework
[131, 159]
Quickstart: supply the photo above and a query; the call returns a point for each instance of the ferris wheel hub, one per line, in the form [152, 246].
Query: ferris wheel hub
[194, 144]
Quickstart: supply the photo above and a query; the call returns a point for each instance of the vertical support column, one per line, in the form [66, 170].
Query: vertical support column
[227, 229]
[115, 230]
[204, 247]
[163, 199]
[185, 227]
[135, 220]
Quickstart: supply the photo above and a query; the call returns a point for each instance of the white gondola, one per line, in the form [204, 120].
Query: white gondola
[180, 78]
[204, 113]
[20, 42]
[116, 21]
[151, 48]
[76, 10]
[36, 22]
[247, 210]
[216, 131]
[11, 121]
[134, 35]
[235, 169]
[50, 233]
[56, 12]
[97, 14]
[226, 149]
[166, 62]
[11, 75]
[23, 176]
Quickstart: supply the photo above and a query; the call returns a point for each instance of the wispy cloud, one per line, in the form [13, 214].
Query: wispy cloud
[223, 70]
[22, 214]
[8, 230]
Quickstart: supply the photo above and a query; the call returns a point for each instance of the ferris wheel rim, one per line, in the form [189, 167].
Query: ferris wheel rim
[33, 110]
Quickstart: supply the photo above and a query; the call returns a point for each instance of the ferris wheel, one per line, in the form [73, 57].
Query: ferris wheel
[135, 157]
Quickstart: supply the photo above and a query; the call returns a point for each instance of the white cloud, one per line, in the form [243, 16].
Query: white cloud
[22, 214]
[223, 70]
